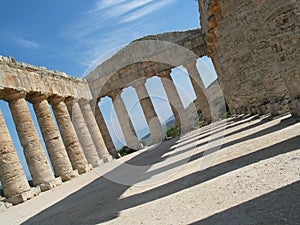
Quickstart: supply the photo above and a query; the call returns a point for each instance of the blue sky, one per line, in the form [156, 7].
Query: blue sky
[69, 35]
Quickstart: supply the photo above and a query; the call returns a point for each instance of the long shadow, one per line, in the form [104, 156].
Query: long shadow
[219, 129]
[278, 207]
[283, 124]
[152, 156]
[101, 200]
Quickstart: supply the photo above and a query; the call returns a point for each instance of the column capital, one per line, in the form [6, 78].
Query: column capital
[190, 64]
[14, 95]
[114, 94]
[70, 100]
[83, 101]
[36, 97]
[165, 74]
[140, 82]
[54, 99]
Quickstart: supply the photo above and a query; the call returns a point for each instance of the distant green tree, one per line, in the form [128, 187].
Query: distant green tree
[122, 151]
[173, 132]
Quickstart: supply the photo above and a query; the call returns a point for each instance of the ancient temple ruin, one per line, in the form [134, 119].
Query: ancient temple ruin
[254, 48]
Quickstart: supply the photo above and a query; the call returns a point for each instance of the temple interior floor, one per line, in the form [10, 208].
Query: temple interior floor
[244, 170]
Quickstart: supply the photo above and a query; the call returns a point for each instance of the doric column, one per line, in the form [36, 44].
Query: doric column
[69, 135]
[56, 149]
[94, 130]
[179, 112]
[125, 122]
[149, 112]
[12, 176]
[35, 155]
[199, 89]
[83, 133]
[105, 132]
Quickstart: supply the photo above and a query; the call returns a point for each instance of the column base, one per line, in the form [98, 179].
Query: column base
[155, 141]
[69, 176]
[50, 185]
[85, 169]
[107, 158]
[17, 199]
[97, 164]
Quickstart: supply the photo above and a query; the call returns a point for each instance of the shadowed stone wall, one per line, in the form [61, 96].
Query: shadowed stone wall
[253, 45]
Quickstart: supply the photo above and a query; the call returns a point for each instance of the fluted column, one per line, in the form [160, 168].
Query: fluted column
[56, 149]
[125, 122]
[83, 133]
[199, 89]
[149, 112]
[94, 130]
[69, 136]
[12, 176]
[105, 132]
[179, 112]
[36, 158]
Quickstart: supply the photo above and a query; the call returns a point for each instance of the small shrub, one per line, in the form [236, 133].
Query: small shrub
[173, 132]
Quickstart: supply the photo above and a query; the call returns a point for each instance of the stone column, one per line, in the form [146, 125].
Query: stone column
[56, 149]
[35, 155]
[105, 132]
[12, 176]
[69, 135]
[149, 112]
[83, 133]
[199, 88]
[94, 130]
[131, 138]
[179, 112]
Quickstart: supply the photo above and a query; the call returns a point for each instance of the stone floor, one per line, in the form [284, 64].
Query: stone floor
[248, 173]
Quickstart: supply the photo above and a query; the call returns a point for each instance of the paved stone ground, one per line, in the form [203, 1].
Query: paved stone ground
[252, 179]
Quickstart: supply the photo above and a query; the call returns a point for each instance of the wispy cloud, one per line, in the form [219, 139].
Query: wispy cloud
[113, 13]
[145, 11]
[23, 42]
[114, 23]
[122, 9]
[101, 4]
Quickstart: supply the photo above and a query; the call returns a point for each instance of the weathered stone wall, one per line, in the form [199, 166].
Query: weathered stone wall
[253, 45]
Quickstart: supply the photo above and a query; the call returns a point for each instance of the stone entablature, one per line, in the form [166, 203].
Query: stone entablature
[31, 79]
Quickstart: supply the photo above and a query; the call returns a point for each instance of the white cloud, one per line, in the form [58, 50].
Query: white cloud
[122, 9]
[102, 30]
[145, 11]
[23, 42]
[101, 4]
[111, 13]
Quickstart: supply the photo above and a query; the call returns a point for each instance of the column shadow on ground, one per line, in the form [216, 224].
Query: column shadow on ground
[101, 200]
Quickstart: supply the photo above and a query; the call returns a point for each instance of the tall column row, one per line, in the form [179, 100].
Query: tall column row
[156, 130]
[66, 154]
